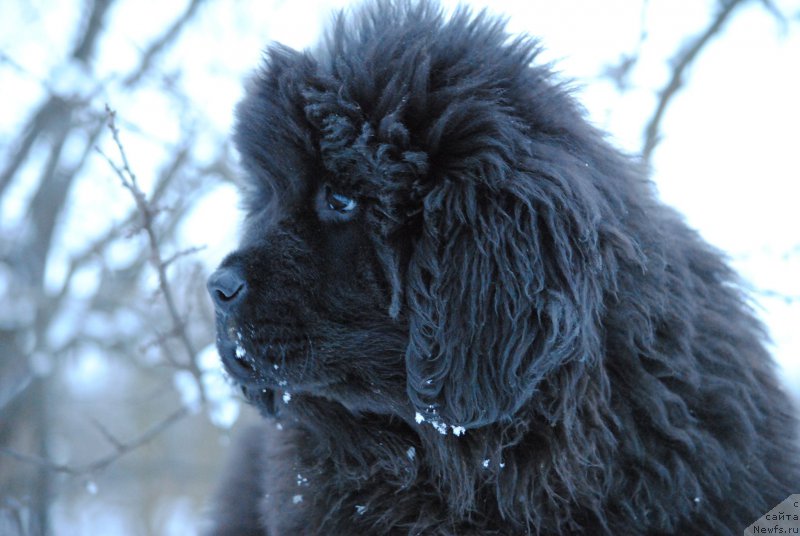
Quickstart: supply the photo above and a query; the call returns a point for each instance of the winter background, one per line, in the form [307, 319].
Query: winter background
[114, 413]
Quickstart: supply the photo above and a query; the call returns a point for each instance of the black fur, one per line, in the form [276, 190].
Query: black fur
[505, 332]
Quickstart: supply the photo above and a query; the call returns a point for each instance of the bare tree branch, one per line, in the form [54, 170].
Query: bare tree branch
[120, 449]
[683, 60]
[147, 212]
[183, 253]
[162, 42]
[45, 117]
[106, 433]
[786, 298]
[48, 114]
[619, 71]
[95, 25]
[780, 17]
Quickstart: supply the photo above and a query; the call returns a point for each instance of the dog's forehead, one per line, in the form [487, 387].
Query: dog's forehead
[372, 156]
[407, 98]
[391, 109]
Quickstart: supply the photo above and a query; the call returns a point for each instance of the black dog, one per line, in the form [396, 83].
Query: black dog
[469, 314]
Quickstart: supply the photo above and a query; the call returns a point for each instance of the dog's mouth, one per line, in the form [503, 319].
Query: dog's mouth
[239, 364]
[264, 367]
[261, 380]
[278, 365]
[277, 374]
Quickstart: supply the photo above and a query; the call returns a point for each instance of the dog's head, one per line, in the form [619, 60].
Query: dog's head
[423, 231]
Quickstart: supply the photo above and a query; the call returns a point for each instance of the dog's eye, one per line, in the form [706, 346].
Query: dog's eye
[338, 202]
[335, 206]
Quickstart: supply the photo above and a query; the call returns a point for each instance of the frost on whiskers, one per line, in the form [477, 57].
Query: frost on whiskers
[438, 425]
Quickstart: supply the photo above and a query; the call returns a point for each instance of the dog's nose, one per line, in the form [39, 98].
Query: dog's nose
[227, 288]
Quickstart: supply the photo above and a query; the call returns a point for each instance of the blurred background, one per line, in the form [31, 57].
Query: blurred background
[114, 413]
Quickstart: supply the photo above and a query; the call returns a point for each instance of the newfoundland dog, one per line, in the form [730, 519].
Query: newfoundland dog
[463, 312]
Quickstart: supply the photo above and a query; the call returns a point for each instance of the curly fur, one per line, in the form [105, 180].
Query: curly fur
[510, 334]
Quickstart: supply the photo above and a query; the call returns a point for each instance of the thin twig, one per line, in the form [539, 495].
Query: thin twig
[106, 433]
[775, 11]
[162, 42]
[147, 212]
[120, 449]
[183, 253]
[786, 298]
[683, 61]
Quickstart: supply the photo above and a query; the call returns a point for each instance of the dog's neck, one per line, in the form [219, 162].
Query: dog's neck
[526, 469]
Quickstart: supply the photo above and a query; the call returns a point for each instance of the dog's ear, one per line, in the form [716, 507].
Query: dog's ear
[504, 287]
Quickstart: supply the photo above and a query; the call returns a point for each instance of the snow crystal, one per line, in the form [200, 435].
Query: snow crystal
[485, 462]
[440, 427]
[360, 509]
[411, 452]
[502, 464]
[240, 351]
[91, 487]
[301, 480]
[297, 499]
[279, 426]
[287, 396]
